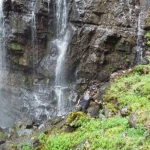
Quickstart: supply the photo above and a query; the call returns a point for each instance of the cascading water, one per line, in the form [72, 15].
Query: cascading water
[48, 5]
[6, 118]
[34, 31]
[2, 37]
[130, 10]
[1, 55]
[36, 103]
[61, 42]
[140, 35]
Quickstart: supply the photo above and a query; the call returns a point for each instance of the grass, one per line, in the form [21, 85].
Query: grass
[100, 135]
[132, 89]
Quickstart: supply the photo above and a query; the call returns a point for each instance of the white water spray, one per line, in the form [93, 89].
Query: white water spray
[61, 42]
[6, 118]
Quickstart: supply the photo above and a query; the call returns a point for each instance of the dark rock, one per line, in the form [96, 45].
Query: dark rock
[2, 142]
[101, 116]
[94, 111]
[107, 111]
[147, 126]
[126, 111]
[132, 120]
[36, 143]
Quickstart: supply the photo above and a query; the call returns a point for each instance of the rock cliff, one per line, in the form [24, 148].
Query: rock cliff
[106, 36]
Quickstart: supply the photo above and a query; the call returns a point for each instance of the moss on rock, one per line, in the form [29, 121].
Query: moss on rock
[76, 119]
[16, 47]
[2, 136]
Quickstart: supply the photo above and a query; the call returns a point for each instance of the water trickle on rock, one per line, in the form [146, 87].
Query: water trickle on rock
[34, 31]
[140, 35]
[2, 37]
[48, 5]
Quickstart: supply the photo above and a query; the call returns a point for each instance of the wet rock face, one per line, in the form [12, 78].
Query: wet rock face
[28, 31]
[29, 28]
[105, 36]
[105, 39]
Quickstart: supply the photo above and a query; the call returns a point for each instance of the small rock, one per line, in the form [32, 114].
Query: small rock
[101, 116]
[125, 111]
[2, 142]
[94, 111]
[132, 120]
[107, 111]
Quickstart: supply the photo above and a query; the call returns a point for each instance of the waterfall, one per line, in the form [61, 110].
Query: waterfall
[140, 35]
[34, 31]
[61, 42]
[2, 37]
[6, 118]
[48, 4]
[130, 11]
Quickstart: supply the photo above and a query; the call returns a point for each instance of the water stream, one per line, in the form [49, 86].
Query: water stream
[61, 42]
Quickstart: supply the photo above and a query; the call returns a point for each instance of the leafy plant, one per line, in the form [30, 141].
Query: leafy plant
[27, 147]
[43, 137]
[148, 37]
[76, 119]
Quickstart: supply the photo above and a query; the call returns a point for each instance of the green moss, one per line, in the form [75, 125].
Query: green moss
[148, 37]
[148, 34]
[27, 147]
[127, 60]
[76, 118]
[21, 61]
[2, 136]
[29, 81]
[16, 47]
[112, 108]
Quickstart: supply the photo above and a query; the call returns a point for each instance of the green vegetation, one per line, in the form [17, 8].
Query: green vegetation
[27, 147]
[16, 47]
[148, 37]
[112, 133]
[148, 20]
[131, 89]
[2, 136]
[109, 133]
[76, 119]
